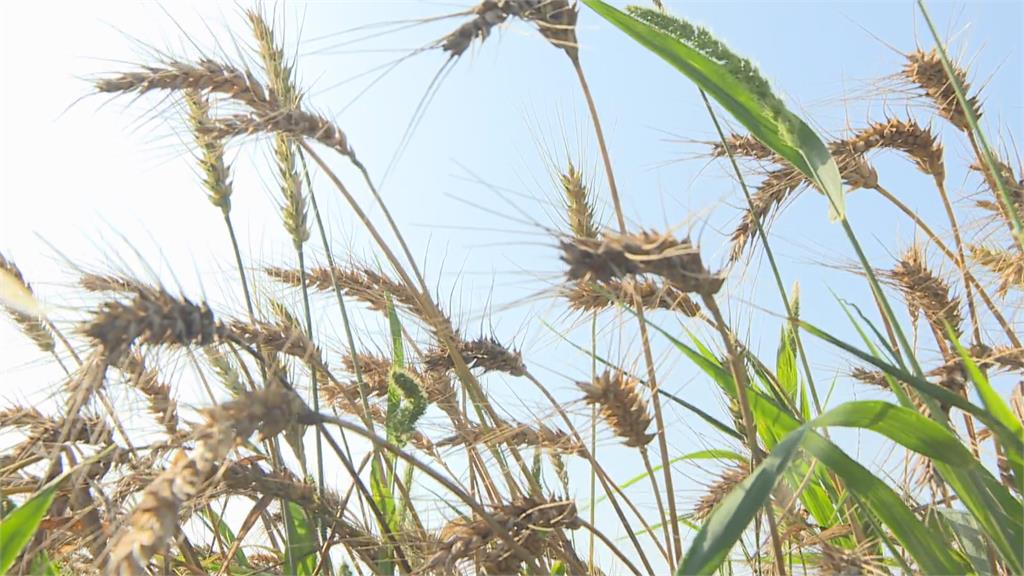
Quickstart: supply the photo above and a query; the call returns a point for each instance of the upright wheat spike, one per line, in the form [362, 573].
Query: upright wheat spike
[216, 174]
[621, 406]
[579, 205]
[719, 489]
[33, 327]
[154, 521]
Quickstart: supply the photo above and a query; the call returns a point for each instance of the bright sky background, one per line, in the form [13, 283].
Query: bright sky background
[96, 180]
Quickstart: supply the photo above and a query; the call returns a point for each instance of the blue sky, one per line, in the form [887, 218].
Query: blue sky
[97, 181]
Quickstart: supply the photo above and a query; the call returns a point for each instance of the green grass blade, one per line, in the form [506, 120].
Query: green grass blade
[930, 551]
[733, 514]
[18, 527]
[301, 554]
[736, 85]
[217, 523]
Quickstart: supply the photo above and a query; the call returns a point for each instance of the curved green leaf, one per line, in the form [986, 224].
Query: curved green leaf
[18, 527]
[737, 86]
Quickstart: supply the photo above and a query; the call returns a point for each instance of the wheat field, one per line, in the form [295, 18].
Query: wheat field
[655, 387]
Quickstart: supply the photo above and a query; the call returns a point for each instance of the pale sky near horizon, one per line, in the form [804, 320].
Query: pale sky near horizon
[110, 182]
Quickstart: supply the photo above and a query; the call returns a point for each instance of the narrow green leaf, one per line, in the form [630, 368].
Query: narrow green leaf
[302, 552]
[217, 523]
[18, 527]
[730, 518]
[736, 84]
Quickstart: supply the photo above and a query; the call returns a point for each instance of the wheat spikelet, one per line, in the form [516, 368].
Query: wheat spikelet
[579, 205]
[925, 292]
[905, 136]
[216, 174]
[1007, 266]
[280, 76]
[484, 353]
[556, 20]
[742, 145]
[32, 326]
[1002, 357]
[205, 76]
[527, 521]
[359, 282]
[111, 283]
[293, 123]
[589, 297]
[153, 522]
[153, 317]
[516, 434]
[158, 394]
[872, 377]
[616, 256]
[780, 184]
[925, 70]
[719, 489]
[620, 405]
[282, 337]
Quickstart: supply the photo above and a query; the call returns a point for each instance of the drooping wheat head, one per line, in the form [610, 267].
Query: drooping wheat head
[925, 70]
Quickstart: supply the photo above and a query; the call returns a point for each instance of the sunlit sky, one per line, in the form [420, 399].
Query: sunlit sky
[110, 184]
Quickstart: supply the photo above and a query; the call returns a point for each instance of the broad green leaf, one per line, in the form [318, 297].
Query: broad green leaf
[969, 533]
[301, 555]
[939, 393]
[736, 84]
[902, 425]
[930, 552]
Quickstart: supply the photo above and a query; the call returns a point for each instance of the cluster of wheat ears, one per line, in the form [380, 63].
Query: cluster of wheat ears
[82, 495]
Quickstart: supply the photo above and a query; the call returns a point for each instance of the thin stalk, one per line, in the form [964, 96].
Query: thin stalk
[320, 476]
[769, 253]
[593, 441]
[432, 314]
[739, 378]
[675, 551]
[609, 173]
[609, 487]
[987, 156]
